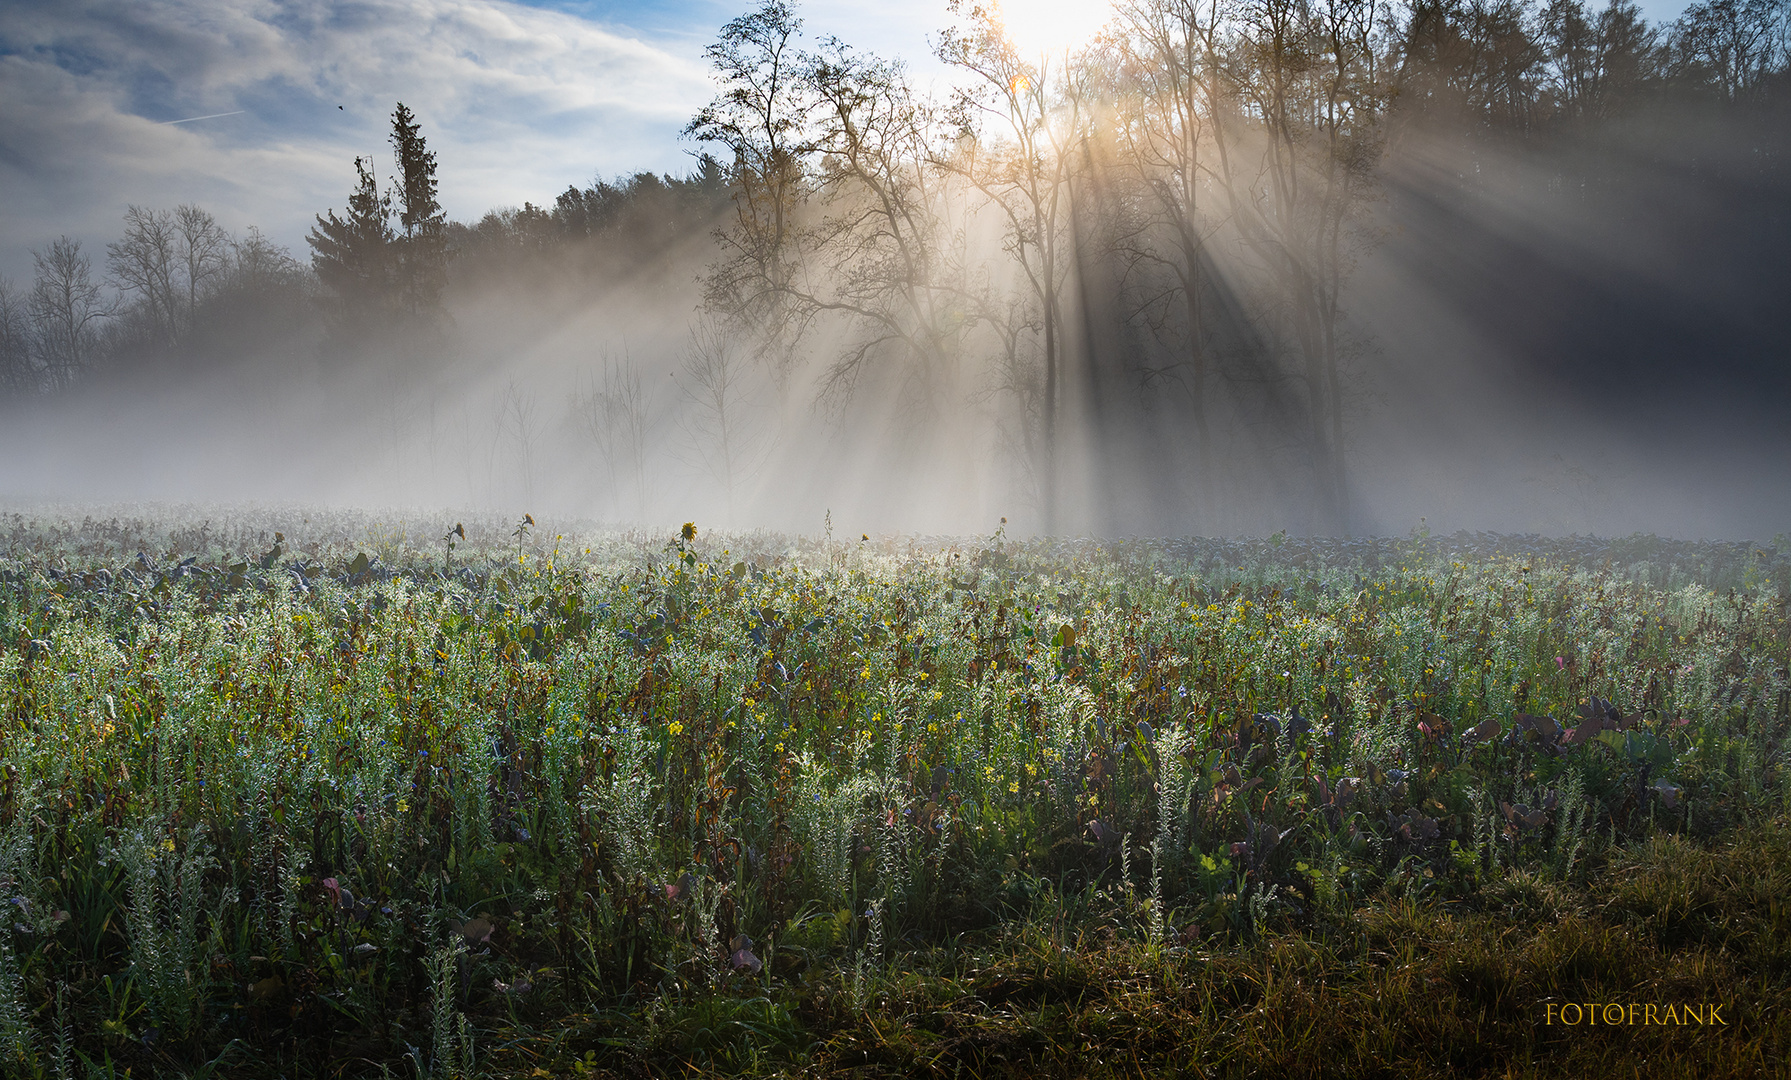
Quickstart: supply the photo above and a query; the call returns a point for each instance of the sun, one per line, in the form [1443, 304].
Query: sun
[1052, 27]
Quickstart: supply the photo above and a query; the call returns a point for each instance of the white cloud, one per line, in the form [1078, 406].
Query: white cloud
[517, 102]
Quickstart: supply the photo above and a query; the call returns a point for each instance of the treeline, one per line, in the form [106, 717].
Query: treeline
[176, 283]
[178, 293]
[1142, 251]
[1132, 259]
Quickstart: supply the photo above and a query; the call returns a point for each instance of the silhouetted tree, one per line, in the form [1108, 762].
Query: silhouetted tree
[18, 375]
[141, 264]
[421, 251]
[1467, 64]
[66, 307]
[1023, 168]
[760, 119]
[1168, 88]
[716, 379]
[202, 252]
[1297, 166]
[352, 256]
[1731, 46]
[879, 253]
[613, 415]
[1597, 62]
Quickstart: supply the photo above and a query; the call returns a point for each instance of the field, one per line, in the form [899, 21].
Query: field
[305, 794]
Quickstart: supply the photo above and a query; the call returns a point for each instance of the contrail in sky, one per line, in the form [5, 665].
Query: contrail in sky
[213, 116]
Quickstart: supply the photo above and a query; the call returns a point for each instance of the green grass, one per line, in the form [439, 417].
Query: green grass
[354, 804]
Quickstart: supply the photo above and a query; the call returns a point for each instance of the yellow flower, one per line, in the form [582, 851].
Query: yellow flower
[690, 530]
[1013, 787]
[677, 727]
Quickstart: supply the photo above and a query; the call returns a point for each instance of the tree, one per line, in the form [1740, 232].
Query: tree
[66, 307]
[202, 251]
[421, 252]
[1169, 87]
[259, 266]
[879, 254]
[142, 263]
[352, 256]
[518, 421]
[168, 261]
[1024, 173]
[1732, 46]
[18, 375]
[614, 416]
[760, 118]
[1297, 165]
[1469, 64]
[716, 381]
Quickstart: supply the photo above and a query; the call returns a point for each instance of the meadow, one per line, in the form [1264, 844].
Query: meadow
[304, 794]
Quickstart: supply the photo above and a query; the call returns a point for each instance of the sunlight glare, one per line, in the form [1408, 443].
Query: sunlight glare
[1050, 27]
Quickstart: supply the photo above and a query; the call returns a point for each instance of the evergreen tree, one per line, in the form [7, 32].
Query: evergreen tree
[422, 249]
[353, 256]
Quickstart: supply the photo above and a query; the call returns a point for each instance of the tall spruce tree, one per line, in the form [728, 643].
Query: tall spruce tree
[422, 247]
[353, 256]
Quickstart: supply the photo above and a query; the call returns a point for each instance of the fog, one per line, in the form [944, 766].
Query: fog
[1459, 296]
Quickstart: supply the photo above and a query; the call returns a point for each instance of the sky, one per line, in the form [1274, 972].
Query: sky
[256, 109]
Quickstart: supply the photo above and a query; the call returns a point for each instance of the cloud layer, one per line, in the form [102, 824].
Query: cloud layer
[516, 101]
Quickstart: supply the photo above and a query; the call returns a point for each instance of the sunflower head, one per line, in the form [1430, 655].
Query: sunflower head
[689, 531]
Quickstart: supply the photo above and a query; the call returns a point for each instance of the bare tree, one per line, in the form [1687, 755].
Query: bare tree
[257, 264]
[66, 307]
[1296, 163]
[883, 253]
[18, 375]
[716, 380]
[519, 423]
[1024, 171]
[1168, 94]
[1732, 45]
[143, 263]
[761, 119]
[613, 415]
[202, 251]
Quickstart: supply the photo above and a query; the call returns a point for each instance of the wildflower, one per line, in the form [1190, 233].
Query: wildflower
[676, 728]
[689, 531]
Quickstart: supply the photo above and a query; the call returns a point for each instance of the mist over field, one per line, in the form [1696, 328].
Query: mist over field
[1229, 269]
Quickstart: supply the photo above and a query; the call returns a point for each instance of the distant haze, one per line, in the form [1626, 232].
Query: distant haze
[1512, 279]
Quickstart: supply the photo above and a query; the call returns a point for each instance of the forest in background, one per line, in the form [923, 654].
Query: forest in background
[1204, 275]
